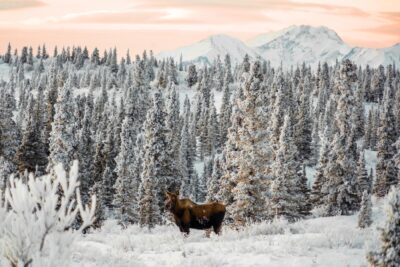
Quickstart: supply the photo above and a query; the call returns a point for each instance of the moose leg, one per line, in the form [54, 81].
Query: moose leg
[217, 228]
[208, 232]
[185, 230]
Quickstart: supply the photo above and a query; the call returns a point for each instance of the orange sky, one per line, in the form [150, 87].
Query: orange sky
[167, 24]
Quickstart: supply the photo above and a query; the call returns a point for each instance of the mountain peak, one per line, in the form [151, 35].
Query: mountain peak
[206, 50]
[304, 43]
[315, 32]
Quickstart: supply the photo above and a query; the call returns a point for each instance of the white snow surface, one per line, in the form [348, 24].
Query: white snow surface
[330, 241]
[264, 38]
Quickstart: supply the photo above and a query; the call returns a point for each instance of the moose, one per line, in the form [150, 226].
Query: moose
[188, 214]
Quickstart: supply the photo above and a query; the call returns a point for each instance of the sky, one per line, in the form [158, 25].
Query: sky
[167, 24]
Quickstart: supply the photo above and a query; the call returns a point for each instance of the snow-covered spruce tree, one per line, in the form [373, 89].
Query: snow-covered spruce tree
[396, 158]
[341, 185]
[62, 138]
[386, 173]
[228, 70]
[201, 191]
[232, 152]
[378, 84]
[252, 177]
[154, 178]
[364, 216]
[9, 135]
[172, 122]
[283, 104]
[109, 176]
[86, 153]
[315, 143]
[389, 253]
[114, 61]
[225, 114]
[186, 152]
[180, 63]
[243, 68]
[32, 154]
[358, 114]
[287, 198]
[127, 184]
[7, 56]
[368, 130]
[363, 179]
[302, 129]
[317, 192]
[213, 182]
[213, 129]
[218, 74]
[192, 76]
[171, 73]
[48, 237]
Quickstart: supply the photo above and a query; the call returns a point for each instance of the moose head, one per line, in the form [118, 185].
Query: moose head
[171, 200]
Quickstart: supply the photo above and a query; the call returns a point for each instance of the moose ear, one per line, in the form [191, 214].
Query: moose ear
[167, 194]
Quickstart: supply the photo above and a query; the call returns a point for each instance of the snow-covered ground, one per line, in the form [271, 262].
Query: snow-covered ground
[332, 241]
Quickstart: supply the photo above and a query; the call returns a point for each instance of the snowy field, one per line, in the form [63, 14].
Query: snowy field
[332, 241]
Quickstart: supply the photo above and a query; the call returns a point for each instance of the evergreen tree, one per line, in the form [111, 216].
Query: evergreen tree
[358, 114]
[341, 185]
[225, 114]
[127, 183]
[173, 144]
[363, 179]
[24, 55]
[303, 127]
[154, 178]
[192, 76]
[377, 84]
[368, 130]
[213, 131]
[7, 56]
[364, 216]
[228, 70]
[253, 174]
[114, 61]
[62, 137]
[9, 135]
[186, 153]
[44, 52]
[286, 195]
[31, 154]
[213, 182]
[386, 173]
[317, 192]
[388, 255]
[86, 153]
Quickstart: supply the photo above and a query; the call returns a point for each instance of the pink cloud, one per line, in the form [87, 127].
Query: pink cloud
[19, 4]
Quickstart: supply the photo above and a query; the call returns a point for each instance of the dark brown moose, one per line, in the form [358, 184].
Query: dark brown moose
[188, 214]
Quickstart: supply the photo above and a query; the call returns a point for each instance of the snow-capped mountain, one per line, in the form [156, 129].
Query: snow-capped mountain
[205, 51]
[290, 46]
[304, 44]
[374, 57]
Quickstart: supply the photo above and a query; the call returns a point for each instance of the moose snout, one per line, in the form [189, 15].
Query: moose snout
[168, 205]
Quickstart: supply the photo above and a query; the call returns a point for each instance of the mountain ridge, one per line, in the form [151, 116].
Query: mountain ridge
[290, 46]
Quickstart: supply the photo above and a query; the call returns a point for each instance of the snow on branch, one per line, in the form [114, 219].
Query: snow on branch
[36, 219]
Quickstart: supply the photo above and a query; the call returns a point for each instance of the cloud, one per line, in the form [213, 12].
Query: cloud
[19, 4]
[389, 27]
